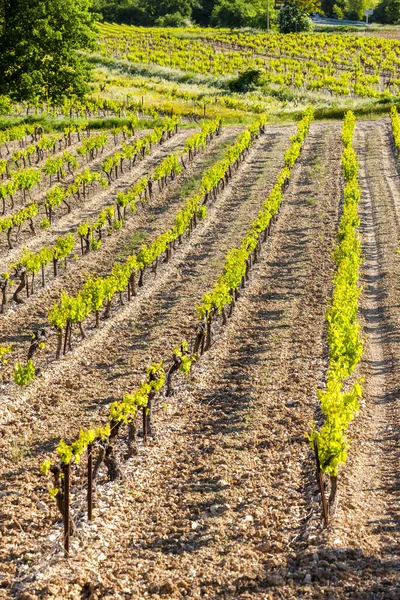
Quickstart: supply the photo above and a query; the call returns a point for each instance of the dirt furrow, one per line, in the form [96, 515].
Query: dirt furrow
[76, 390]
[92, 206]
[17, 324]
[364, 535]
[218, 502]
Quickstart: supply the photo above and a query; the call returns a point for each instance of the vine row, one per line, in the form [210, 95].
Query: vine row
[124, 412]
[339, 401]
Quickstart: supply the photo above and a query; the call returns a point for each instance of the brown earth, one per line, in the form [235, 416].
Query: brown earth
[152, 219]
[65, 222]
[223, 501]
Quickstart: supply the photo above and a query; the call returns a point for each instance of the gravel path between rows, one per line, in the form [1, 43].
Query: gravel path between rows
[17, 324]
[218, 505]
[363, 538]
[74, 392]
[90, 207]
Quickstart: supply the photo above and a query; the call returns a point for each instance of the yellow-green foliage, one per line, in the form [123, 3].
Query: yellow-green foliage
[235, 261]
[4, 350]
[23, 374]
[338, 402]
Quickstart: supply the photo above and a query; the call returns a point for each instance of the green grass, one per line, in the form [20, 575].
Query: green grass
[189, 186]
[192, 184]
[134, 244]
[152, 70]
[50, 124]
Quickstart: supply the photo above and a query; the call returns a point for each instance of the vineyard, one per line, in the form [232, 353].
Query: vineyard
[338, 65]
[199, 323]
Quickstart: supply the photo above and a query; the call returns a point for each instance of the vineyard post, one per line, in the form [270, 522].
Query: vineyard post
[67, 526]
[144, 424]
[90, 482]
[321, 484]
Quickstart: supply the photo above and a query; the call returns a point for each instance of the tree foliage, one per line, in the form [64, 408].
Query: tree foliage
[388, 12]
[355, 9]
[176, 13]
[166, 13]
[38, 43]
[307, 6]
[293, 18]
[239, 13]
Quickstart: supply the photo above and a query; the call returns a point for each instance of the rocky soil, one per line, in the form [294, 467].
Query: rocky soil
[222, 502]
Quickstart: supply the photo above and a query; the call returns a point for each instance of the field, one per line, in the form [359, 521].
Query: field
[200, 310]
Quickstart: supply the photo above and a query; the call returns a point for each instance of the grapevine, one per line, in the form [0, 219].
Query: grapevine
[76, 309]
[340, 400]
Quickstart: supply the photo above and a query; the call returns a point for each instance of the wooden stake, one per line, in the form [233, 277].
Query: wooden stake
[321, 484]
[67, 525]
[90, 483]
[144, 424]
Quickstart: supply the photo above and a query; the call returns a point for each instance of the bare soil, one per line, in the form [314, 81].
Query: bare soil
[204, 471]
[223, 501]
[152, 219]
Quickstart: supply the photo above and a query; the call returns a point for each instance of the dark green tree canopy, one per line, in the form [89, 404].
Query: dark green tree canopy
[292, 19]
[387, 11]
[146, 12]
[294, 15]
[38, 43]
[239, 13]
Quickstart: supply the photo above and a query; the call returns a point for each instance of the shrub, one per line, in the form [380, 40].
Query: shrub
[173, 20]
[292, 19]
[247, 81]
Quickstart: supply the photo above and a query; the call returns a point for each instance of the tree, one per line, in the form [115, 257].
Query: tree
[38, 43]
[355, 9]
[136, 13]
[108, 9]
[202, 12]
[294, 15]
[171, 7]
[338, 10]
[388, 12]
[168, 13]
[239, 13]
